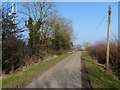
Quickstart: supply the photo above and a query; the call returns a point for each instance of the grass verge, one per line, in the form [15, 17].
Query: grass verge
[0, 83]
[98, 76]
[21, 77]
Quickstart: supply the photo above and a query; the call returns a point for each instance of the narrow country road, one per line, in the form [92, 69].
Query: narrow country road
[65, 74]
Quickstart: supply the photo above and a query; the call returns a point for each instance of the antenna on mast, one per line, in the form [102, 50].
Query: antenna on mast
[13, 13]
[14, 9]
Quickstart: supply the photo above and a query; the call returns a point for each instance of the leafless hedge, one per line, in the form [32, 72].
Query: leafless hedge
[98, 51]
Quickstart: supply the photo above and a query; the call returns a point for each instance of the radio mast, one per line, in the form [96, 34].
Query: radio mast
[13, 13]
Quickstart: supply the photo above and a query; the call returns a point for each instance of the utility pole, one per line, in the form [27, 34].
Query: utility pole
[108, 38]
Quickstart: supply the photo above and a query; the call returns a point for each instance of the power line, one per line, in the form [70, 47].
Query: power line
[101, 22]
[98, 26]
[114, 4]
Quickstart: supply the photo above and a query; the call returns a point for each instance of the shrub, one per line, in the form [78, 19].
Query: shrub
[98, 51]
[12, 54]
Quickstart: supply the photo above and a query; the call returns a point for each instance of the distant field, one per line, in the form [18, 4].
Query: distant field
[98, 76]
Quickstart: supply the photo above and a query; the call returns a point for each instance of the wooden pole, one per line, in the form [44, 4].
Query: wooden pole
[108, 38]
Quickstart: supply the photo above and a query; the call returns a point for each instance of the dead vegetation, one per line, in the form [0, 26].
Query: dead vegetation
[98, 52]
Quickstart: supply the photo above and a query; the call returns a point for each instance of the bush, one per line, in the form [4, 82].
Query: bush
[12, 54]
[98, 51]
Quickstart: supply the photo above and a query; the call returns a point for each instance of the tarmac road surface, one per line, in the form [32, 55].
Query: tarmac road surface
[65, 74]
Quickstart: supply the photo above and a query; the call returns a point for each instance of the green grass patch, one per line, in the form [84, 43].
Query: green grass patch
[20, 76]
[0, 83]
[98, 76]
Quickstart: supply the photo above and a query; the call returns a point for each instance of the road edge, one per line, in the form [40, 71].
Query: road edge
[45, 68]
[85, 80]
